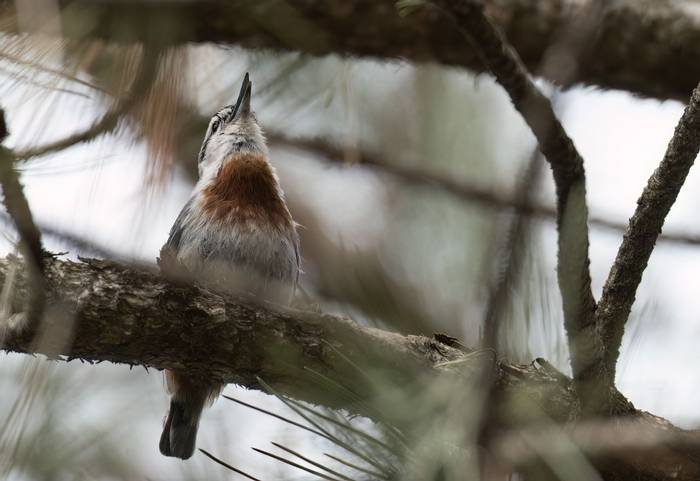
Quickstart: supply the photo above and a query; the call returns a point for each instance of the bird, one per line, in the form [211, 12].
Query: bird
[235, 234]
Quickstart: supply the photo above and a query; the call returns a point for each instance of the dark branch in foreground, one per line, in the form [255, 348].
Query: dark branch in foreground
[134, 317]
[644, 228]
[650, 47]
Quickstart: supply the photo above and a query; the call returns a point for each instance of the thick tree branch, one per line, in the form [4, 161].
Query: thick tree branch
[648, 47]
[135, 317]
[644, 228]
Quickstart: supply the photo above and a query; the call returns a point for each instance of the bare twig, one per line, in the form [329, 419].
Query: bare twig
[30, 237]
[644, 228]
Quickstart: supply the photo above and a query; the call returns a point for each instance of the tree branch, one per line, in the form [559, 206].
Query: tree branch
[460, 189]
[650, 47]
[569, 178]
[29, 236]
[135, 317]
[644, 228]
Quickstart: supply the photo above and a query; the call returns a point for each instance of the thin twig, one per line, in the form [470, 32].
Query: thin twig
[460, 189]
[644, 227]
[30, 237]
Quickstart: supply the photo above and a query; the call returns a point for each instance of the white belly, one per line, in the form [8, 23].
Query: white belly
[242, 256]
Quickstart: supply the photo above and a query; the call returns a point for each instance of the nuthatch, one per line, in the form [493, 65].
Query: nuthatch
[234, 234]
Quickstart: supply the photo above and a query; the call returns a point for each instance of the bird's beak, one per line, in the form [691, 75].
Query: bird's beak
[243, 103]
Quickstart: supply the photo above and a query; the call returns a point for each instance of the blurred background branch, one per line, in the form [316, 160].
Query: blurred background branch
[461, 189]
[627, 58]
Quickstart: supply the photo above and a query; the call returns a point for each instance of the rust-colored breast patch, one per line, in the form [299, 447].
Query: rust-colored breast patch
[246, 189]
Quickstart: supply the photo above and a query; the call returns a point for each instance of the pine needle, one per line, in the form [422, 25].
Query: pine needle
[311, 462]
[277, 416]
[292, 463]
[356, 467]
[346, 426]
[228, 466]
[326, 433]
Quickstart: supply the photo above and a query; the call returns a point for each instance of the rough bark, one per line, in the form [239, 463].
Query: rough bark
[132, 316]
[648, 47]
[123, 315]
[644, 229]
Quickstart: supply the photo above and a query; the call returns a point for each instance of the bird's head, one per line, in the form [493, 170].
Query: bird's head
[233, 129]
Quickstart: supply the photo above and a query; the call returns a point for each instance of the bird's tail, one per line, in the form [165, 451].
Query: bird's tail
[180, 430]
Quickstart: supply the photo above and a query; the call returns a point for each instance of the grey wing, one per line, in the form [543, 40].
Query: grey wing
[167, 261]
[178, 227]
